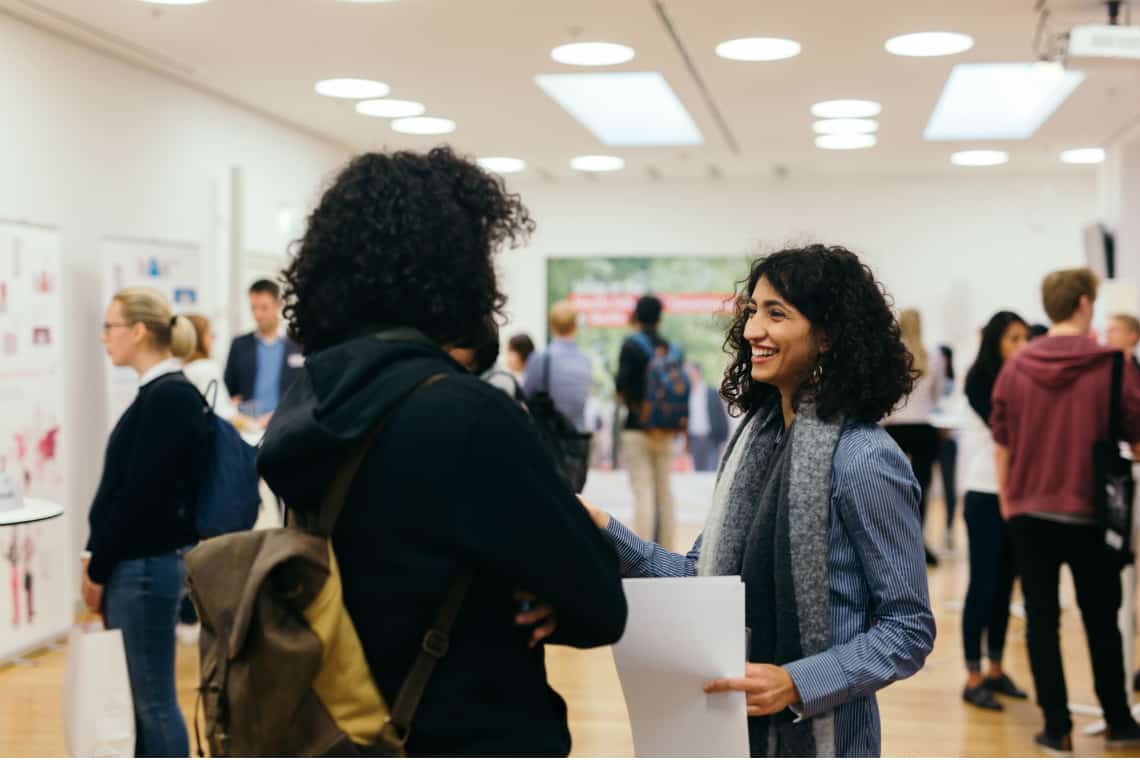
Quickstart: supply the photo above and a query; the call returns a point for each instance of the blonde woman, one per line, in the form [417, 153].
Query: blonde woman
[143, 511]
[201, 370]
[910, 424]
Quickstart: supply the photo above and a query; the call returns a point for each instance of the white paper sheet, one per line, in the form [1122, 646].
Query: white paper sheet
[682, 633]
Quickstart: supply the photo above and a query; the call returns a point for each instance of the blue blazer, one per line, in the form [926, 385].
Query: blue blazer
[241, 367]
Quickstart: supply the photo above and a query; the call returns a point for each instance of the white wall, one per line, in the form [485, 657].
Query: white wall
[959, 247]
[97, 147]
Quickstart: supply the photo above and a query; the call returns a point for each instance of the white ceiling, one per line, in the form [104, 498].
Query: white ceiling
[474, 61]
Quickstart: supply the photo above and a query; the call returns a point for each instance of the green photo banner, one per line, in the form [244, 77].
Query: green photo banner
[697, 292]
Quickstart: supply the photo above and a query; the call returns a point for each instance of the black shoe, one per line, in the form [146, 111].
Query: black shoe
[931, 560]
[1004, 686]
[980, 696]
[1123, 737]
[1054, 746]
[1136, 681]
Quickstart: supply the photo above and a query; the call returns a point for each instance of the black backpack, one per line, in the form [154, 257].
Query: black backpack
[568, 446]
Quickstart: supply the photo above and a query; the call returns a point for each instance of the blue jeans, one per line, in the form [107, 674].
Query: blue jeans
[141, 599]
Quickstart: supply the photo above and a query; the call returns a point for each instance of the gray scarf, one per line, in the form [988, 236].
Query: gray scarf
[769, 524]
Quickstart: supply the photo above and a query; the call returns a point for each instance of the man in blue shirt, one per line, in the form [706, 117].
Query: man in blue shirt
[263, 364]
[562, 370]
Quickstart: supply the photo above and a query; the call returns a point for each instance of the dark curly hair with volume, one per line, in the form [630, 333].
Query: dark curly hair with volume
[403, 239]
[866, 369]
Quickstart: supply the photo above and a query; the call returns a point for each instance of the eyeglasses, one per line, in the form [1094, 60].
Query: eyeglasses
[108, 325]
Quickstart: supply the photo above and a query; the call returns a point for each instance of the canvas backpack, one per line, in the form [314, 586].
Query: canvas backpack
[665, 405]
[282, 669]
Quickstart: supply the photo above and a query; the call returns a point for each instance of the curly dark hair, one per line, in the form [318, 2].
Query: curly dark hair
[866, 370]
[403, 239]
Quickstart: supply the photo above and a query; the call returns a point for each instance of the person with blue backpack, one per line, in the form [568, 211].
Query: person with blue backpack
[654, 387]
[144, 511]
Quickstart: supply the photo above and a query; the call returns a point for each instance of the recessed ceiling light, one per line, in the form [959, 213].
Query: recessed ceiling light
[386, 108]
[929, 44]
[502, 164]
[424, 125]
[175, 2]
[845, 126]
[623, 108]
[592, 54]
[597, 163]
[999, 101]
[846, 109]
[979, 158]
[353, 89]
[845, 142]
[1084, 156]
[758, 49]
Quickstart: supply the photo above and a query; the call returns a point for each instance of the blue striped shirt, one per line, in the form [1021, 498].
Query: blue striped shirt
[882, 626]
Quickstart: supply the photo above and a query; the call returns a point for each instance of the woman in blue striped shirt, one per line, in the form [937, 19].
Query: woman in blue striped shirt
[815, 507]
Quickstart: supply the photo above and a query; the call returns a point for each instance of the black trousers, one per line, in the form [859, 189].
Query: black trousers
[1042, 547]
[948, 466]
[920, 443]
[992, 572]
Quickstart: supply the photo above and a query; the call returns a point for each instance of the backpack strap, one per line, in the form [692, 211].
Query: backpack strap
[337, 494]
[645, 343]
[1115, 432]
[432, 649]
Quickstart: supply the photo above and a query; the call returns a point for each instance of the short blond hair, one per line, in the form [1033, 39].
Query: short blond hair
[1061, 292]
[151, 308]
[1131, 323]
[563, 318]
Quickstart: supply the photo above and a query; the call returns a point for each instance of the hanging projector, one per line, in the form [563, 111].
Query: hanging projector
[1103, 46]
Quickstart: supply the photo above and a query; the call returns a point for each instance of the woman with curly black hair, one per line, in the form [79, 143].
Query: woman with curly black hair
[455, 496]
[815, 507]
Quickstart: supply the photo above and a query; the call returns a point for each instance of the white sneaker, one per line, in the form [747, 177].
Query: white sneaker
[187, 634]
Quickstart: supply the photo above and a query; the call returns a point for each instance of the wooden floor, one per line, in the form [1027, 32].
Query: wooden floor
[923, 716]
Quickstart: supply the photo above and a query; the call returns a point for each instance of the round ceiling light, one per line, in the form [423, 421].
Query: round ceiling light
[390, 109]
[424, 125]
[846, 109]
[1084, 156]
[592, 54]
[352, 89]
[845, 127]
[502, 164]
[758, 49]
[929, 44]
[845, 142]
[979, 158]
[597, 164]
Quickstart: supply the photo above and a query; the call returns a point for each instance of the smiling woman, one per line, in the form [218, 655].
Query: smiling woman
[816, 508]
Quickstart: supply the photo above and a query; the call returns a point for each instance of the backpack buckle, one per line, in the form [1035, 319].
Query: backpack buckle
[435, 643]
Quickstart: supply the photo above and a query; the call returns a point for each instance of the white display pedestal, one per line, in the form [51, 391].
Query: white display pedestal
[34, 510]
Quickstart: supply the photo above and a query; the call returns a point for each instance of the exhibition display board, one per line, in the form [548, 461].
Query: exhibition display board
[37, 578]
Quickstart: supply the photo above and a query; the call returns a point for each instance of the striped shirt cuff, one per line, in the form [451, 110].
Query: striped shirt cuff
[633, 551]
[821, 683]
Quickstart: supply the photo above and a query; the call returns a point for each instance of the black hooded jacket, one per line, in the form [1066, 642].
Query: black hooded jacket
[457, 478]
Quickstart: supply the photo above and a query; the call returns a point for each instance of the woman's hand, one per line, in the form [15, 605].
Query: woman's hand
[541, 616]
[600, 518]
[769, 688]
[92, 593]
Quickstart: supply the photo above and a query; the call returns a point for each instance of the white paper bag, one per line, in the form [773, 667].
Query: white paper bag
[98, 715]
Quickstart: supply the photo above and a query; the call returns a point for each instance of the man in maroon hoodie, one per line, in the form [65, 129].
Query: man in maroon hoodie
[1051, 403]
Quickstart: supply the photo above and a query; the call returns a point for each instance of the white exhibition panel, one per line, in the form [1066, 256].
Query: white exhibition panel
[37, 579]
[174, 269]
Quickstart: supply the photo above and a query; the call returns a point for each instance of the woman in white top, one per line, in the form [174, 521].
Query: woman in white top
[992, 569]
[201, 370]
[910, 425]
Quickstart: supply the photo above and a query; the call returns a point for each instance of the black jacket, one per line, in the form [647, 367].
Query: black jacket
[457, 478]
[241, 366]
[155, 461]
